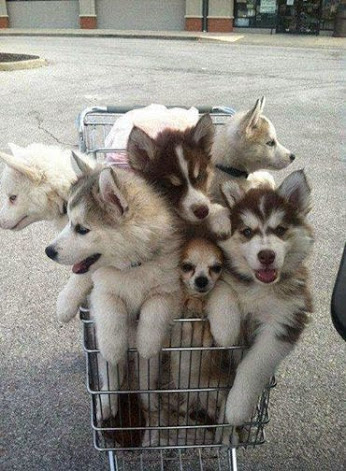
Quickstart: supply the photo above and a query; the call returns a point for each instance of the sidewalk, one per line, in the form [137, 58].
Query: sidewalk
[260, 39]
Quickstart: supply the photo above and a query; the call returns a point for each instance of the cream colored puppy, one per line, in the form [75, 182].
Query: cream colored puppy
[200, 267]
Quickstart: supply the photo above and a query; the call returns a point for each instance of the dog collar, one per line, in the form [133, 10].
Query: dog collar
[234, 172]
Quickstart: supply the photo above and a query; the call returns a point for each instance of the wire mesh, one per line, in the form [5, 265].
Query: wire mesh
[166, 413]
[167, 423]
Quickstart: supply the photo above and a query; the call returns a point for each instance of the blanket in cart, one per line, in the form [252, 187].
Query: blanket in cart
[152, 119]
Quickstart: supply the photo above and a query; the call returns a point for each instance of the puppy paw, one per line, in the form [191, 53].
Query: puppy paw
[66, 307]
[147, 349]
[239, 407]
[113, 350]
[106, 407]
[222, 337]
[261, 179]
[220, 222]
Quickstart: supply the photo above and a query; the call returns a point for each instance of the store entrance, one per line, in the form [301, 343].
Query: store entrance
[299, 16]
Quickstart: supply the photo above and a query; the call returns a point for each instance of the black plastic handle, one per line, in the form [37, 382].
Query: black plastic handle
[338, 305]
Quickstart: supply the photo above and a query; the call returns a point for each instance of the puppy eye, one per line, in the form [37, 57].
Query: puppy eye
[271, 143]
[12, 198]
[216, 268]
[81, 229]
[247, 232]
[280, 231]
[187, 267]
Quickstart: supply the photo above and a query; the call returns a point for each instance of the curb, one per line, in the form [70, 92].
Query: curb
[20, 65]
[102, 33]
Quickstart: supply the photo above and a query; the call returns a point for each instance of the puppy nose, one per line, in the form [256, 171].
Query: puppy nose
[51, 252]
[292, 157]
[266, 257]
[201, 282]
[200, 211]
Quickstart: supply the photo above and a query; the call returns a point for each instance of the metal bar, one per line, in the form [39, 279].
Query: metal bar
[205, 12]
[157, 391]
[180, 349]
[234, 460]
[112, 466]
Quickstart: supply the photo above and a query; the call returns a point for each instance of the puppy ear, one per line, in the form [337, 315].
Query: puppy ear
[110, 191]
[141, 149]
[203, 133]
[232, 192]
[262, 103]
[79, 166]
[18, 163]
[252, 117]
[296, 190]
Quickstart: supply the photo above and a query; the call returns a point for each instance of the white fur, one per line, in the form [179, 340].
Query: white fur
[242, 144]
[40, 176]
[193, 197]
[139, 230]
[268, 306]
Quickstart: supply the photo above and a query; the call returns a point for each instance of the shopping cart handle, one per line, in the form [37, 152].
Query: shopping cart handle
[124, 109]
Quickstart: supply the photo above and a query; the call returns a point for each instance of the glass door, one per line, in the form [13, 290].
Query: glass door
[299, 16]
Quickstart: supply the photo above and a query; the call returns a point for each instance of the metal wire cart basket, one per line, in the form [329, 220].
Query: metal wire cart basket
[175, 424]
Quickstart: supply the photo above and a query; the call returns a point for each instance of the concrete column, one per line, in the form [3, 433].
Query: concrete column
[3, 15]
[193, 15]
[87, 14]
[220, 16]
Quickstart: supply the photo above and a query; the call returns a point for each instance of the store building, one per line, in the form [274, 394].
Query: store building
[297, 16]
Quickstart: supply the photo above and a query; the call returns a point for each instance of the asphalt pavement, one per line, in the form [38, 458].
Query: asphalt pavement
[45, 421]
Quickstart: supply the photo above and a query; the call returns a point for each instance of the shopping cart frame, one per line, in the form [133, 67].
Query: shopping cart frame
[93, 125]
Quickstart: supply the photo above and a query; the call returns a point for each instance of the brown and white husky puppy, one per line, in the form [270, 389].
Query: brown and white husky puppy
[201, 266]
[178, 164]
[266, 253]
[245, 145]
[123, 232]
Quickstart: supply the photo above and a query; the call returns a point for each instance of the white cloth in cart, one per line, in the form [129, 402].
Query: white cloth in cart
[152, 119]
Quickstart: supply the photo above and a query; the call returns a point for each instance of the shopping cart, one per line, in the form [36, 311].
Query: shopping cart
[177, 441]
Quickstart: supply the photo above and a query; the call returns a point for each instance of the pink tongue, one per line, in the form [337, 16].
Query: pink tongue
[81, 267]
[266, 276]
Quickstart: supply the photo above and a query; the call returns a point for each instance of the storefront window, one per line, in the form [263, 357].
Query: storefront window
[299, 16]
[328, 13]
[255, 13]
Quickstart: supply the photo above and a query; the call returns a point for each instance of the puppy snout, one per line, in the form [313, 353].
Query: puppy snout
[200, 211]
[51, 252]
[201, 282]
[292, 157]
[266, 257]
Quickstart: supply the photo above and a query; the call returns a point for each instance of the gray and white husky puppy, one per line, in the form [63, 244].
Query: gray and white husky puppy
[123, 232]
[245, 145]
[266, 253]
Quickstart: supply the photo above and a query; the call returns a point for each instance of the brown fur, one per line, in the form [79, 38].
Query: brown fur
[163, 164]
[130, 414]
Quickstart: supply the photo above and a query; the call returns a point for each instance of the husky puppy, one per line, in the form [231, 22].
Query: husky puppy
[266, 252]
[178, 164]
[121, 230]
[246, 144]
[37, 181]
[201, 267]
